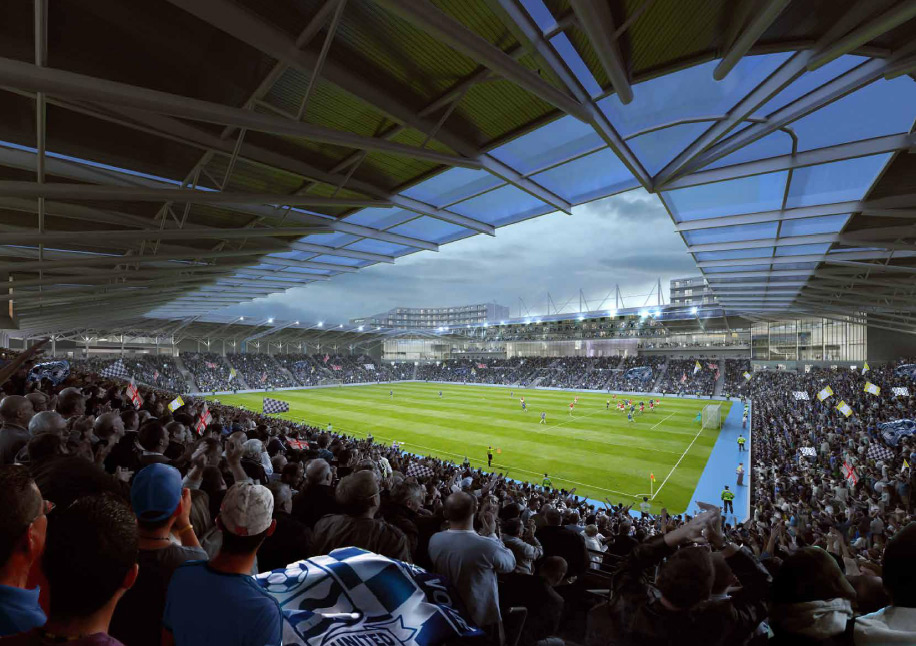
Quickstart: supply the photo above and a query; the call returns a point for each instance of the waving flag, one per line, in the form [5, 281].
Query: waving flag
[155, 375]
[336, 367]
[210, 365]
[299, 445]
[54, 371]
[850, 473]
[275, 406]
[872, 388]
[747, 375]
[807, 451]
[418, 470]
[134, 395]
[232, 374]
[326, 357]
[801, 395]
[683, 377]
[844, 408]
[825, 393]
[697, 367]
[865, 368]
[176, 403]
[481, 365]
[901, 391]
[904, 466]
[203, 421]
[116, 371]
[263, 377]
[878, 452]
[352, 597]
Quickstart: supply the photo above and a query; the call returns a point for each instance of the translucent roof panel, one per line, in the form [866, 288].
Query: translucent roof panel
[338, 239]
[736, 233]
[809, 226]
[380, 218]
[878, 109]
[732, 197]
[808, 82]
[575, 64]
[588, 178]
[802, 249]
[296, 270]
[774, 144]
[452, 185]
[340, 260]
[837, 182]
[688, 94]
[541, 15]
[428, 229]
[732, 268]
[504, 204]
[732, 254]
[378, 246]
[655, 149]
[558, 141]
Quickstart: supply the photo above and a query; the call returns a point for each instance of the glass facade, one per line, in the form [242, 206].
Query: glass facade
[809, 340]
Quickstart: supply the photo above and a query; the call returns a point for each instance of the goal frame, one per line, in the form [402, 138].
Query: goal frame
[712, 417]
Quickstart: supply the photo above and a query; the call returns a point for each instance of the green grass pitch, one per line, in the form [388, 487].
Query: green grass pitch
[595, 450]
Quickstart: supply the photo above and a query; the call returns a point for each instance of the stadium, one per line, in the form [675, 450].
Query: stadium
[643, 363]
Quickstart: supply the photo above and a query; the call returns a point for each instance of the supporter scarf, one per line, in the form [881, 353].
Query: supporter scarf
[352, 597]
[815, 619]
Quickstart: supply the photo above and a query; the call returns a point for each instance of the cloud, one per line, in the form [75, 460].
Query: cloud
[625, 240]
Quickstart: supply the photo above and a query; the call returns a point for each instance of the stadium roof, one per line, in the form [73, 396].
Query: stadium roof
[172, 158]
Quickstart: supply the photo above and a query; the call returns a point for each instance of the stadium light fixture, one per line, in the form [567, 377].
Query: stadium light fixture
[581, 318]
[241, 318]
[502, 322]
[297, 322]
[644, 314]
[270, 320]
[694, 310]
[320, 323]
[341, 325]
[612, 313]
[360, 328]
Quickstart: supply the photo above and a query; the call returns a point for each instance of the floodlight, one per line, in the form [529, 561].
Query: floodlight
[270, 320]
[360, 328]
[694, 310]
[320, 324]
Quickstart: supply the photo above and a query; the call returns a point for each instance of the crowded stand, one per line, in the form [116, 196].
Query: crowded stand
[261, 371]
[689, 377]
[737, 378]
[211, 373]
[627, 377]
[155, 370]
[125, 525]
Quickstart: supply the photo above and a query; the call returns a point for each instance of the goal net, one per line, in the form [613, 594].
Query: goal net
[712, 416]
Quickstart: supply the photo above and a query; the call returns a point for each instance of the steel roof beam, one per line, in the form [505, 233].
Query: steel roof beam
[849, 82]
[832, 260]
[826, 155]
[341, 252]
[87, 88]
[251, 29]
[800, 213]
[307, 264]
[893, 17]
[765, 243]
[765, 16]
[596, 21]
[438, 24]
[138, 194]
[519, 21]
[93, 260]
[841, 255]
[135, 235]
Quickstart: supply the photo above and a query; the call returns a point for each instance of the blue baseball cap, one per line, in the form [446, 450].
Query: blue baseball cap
[155, 492]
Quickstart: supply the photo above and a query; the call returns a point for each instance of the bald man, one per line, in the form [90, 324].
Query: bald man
[15, 414]
[71, 403]
[40, 401]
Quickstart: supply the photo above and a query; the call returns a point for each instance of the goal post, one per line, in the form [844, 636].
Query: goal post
[712, 416]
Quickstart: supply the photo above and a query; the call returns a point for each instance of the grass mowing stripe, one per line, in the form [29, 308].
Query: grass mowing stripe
[598, 453]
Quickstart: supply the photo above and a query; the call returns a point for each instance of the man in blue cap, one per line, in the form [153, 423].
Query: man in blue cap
[166, 540]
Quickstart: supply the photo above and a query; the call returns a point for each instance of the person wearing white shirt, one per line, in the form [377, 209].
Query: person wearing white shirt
[895, 624]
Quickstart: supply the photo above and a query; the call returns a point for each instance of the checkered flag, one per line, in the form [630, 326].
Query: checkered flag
[275, 406]
[878, 452]
[901, 391]
[808, 451]
[116, 371]
[418, 470]
[801, 395]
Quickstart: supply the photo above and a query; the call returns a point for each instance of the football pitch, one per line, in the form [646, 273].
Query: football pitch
[594, 449]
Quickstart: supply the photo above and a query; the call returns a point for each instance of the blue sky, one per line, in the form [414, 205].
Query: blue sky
[627, 239]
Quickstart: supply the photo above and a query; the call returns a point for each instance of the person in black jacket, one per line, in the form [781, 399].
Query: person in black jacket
[564, 542]
[678, 609]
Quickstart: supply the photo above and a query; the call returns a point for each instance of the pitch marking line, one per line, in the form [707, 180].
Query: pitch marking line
[667, 418]
[665, 481]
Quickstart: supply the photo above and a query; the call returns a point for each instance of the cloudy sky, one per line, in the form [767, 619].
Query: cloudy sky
[626, 239]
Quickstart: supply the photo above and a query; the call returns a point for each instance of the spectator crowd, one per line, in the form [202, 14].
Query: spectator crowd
[125, 525]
